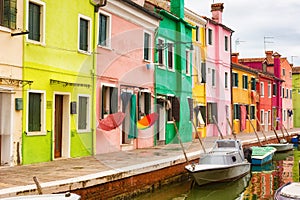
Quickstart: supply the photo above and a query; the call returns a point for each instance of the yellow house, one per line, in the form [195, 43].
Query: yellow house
[199, 71]
[243, 97]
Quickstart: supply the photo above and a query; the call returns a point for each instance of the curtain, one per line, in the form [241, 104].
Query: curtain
[133, 130]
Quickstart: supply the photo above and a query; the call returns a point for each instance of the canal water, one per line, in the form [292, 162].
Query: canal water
[261, 183]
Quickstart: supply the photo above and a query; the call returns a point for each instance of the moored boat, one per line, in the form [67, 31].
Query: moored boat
[289, 191]
[224, 162]
[66, 196]
[262, 155]
[281, 147]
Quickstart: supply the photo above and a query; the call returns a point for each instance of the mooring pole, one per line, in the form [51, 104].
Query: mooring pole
[216, 123]
[178, 136]
[254, 130]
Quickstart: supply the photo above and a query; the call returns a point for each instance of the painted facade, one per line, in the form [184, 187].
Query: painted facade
[125, 73]
[296, 96]
[199, 72]
[58, 117]
[218, 61]
[287, 102]
[11, 82]
[244, 97]
[173, 73]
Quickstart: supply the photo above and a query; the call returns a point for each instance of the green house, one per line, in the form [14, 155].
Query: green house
[296, 96]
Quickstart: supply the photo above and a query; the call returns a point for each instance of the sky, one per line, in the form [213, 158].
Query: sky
[259, 25]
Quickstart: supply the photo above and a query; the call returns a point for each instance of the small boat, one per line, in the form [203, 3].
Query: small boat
[262, 155]
[289, 191]
[281, 147]
[225, 162]
[65, 196]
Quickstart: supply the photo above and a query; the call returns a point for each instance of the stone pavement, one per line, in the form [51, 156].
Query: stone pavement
[74, 173]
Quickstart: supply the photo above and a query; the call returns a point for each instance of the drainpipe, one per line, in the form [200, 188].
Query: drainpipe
[101, 3]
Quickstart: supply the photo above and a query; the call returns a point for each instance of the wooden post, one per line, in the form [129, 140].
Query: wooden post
[262, 128]
[274, 129]
[178, 136]
[215, 121]
[254, 130]
[39, 188]
[199, 137]
[232, 131]
[288, 135]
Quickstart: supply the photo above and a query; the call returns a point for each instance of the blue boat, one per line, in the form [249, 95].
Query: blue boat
[262, 155]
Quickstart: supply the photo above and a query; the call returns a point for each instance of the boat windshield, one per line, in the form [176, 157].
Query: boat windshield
[226, 144]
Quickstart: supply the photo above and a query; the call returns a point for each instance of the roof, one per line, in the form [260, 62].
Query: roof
[218, 24]
[296, 70]
[244, 68]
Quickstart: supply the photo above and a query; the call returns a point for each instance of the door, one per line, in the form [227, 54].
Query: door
[161, 125]
[266, 120]
[58, 126]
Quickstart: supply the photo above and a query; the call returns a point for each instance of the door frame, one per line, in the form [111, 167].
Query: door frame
[66, 132]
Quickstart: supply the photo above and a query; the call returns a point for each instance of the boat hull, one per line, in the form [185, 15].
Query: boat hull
[222, 173]
[289, 191]
[281, 147]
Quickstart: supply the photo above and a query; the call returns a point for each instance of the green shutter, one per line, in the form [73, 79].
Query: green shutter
[34, 112]
[83, 43]
[12, 14]
[113, 99]
[176, 108]
[103, 30]
[82, 113]
[146, 46]
[147, 103]
[34, 22]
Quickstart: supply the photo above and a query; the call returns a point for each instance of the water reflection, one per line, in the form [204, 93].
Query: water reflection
[261, 183]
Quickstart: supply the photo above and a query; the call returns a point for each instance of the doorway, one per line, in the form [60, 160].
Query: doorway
[61, 126]
[266, 120]
[161, 125]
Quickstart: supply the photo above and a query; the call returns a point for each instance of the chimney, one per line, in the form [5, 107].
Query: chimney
[139, 2]
[235, 57]
[277, 71]
[216, 10]
[177, 8]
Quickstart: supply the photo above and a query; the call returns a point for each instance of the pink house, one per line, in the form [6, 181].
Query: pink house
[218, 63]
[125, 73]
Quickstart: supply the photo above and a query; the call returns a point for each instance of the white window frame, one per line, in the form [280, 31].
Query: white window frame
[262, 115]
[42, 21]
[262, 89]
[269, 117]
[150, 44]
[43, 113]
[108, 29]
[173, 56]
[188, 62]
[269, 90]
[226, 43]
[208, 36]
[245, 83]
[233, 81]
[80, 16]
[213, 77]
[163, 64]
[88, 126]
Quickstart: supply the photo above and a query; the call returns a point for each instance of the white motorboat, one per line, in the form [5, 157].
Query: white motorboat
[289, 191]
[66, 196]
[281, 147]
[225, 162]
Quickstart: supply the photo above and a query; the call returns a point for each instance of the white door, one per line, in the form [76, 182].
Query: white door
[266, 120]
[162, 123]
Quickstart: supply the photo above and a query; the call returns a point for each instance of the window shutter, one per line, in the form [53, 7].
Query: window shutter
[190, 102]
[214, 110]
[34, 22]
[102, 103]
[203, 72]
[176, 109]
[83, 35]
[147, 103]
[34, 113]
[103, 30]
[146, 46]
[12, 13]
[113, 99]
[82, 114]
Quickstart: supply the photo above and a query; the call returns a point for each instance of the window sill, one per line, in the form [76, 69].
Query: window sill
[84, 52]
[36, 42]
[83, 131]
[36, 133]
[5, 29]
[105, 47]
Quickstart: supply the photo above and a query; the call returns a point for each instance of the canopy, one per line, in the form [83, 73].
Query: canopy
[147, 121]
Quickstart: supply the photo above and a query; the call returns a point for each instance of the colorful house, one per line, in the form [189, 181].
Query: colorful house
[199, 71]
[58, 117]
[296, 96]
[125, 73]
[244, 97]
[218, 61]
[173, 73]
[287, 86]
[11, 81]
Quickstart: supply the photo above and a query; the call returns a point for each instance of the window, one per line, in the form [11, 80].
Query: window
[35, 21]
[290, 75]
[147, 46]
[187, 62]
[84, 37]
[252, 112]
[170, 56]
[8, 13]
[283, 72]
[235, 79]
[203, 72]
[269, 90]
[262, 117]
[226, 43]
[274, 89]
[282, 93]
[245, 82]
[253, 83]
[104, 29]
[212, 110]
[284, 115]
[209, 36]
[109, 100]
[144, 104]
[160, 52]
[197, 33]
[36, 112]
[174, 112]
[262, 89]
[269, 117]
[83, 113]
[291, 92]
[226, 80]
[200, 117]
[236, 111]
[287, 93]
[213, 77]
